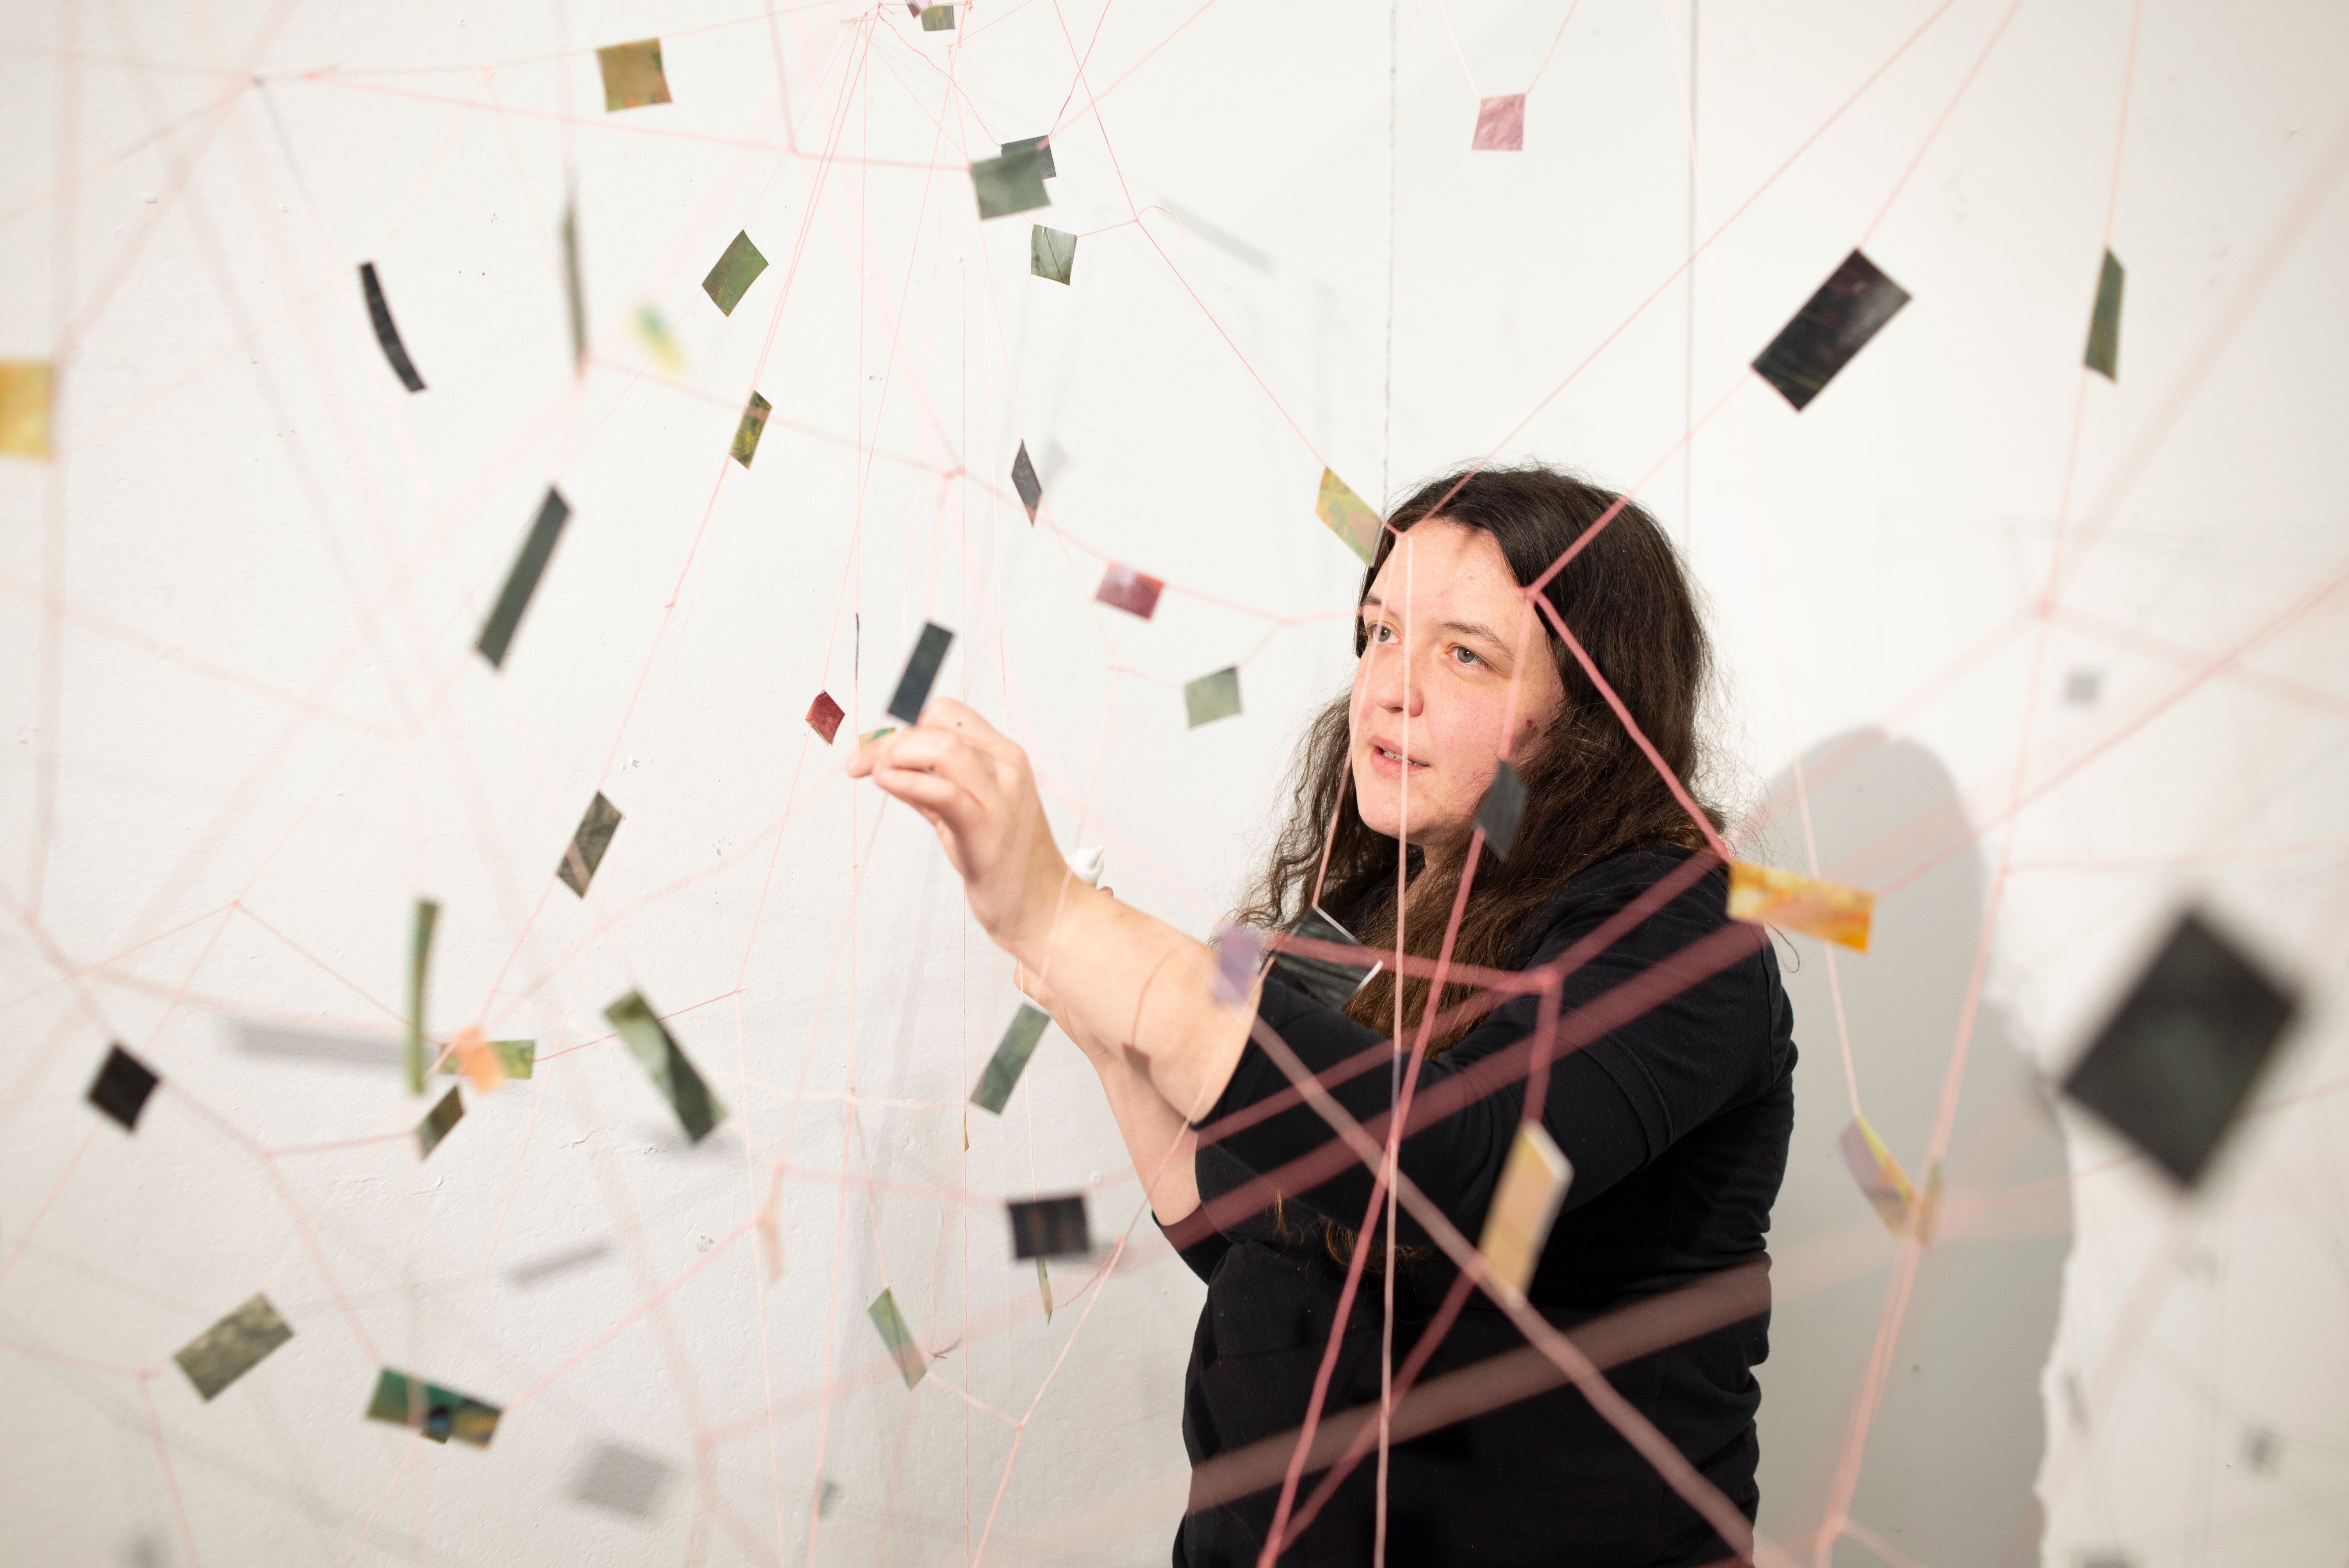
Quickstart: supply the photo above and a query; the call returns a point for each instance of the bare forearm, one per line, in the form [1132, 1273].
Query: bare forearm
[1135, 983]
[1161, 1142]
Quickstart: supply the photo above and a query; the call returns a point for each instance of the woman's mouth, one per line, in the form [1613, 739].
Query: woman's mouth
[1394, 763]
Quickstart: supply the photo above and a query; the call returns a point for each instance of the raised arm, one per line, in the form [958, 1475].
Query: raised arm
[1117, 977]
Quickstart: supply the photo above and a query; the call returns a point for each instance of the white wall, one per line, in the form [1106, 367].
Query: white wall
[248, 727]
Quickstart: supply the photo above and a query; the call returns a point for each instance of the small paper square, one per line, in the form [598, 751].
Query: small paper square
[1123, 588]
[1849, 308]
[1050, 1228]
[439, 1413]
[735, 271]
[891, 1325]
[921, 670]
[657, 1051]
[2105, 322]
[1525, 1205]
[530, 565]
[938, 18]
[1326, 980]
[588, 842]
[1003, 1069]
[1024, 481]
[1347, 516]
[632, 74]
[1500, 124]
[621, 1480]
[25, 407]
[1037, 145]
[122, 1087]
[1051, 253]
[1881, 1180]
[1830, 910]
[1503, 809]
[438, 1124]
[747, 433]
[233, 1347]
[1012, 183]
[824, 716]
[1211, 697]
[1239, 954]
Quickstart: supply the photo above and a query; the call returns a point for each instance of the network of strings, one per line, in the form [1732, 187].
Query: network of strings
[761, 1118]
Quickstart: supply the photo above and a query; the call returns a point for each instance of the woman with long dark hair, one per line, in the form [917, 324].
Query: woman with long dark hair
[1665, 1079]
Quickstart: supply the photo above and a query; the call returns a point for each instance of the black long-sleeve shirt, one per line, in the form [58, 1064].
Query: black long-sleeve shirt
[1671, 1093]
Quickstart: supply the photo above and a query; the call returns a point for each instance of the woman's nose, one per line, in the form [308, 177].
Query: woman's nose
[1393, 685]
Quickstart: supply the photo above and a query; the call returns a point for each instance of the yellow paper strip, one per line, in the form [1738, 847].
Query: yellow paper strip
[1881, 1180]
[25, 407]
[1768, 896]
[1516, 1227]
[1347, 516]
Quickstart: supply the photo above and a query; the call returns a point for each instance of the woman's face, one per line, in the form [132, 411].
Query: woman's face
[1449, 628]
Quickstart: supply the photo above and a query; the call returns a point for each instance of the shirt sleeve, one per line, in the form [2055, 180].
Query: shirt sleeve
[1198, 1243]
[1612, 1107]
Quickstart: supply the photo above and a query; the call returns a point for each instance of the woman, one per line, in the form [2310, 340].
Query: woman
[1672, 1097]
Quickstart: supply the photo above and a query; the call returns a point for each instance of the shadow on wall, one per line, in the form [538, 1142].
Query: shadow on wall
[1946, 1472]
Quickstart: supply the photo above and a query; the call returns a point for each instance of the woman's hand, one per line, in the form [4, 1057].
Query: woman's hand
[974, 787]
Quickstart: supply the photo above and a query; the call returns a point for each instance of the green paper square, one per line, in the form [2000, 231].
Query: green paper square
[1211, 697]
[1011, 183]
[735, 271]
[1051, 253]
[649, 1041]
[1010, 1058]
[2104, 323]
[233, 1347]
[753, 426]
[891, 1323]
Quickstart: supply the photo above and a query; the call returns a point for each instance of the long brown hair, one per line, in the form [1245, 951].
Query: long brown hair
[1590, 793]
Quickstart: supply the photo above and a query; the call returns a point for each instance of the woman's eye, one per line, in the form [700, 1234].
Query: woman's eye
[1383, 633]
[1466, 656]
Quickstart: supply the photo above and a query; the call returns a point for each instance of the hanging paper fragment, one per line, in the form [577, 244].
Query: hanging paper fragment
[498, 632]
[1502, 811]
[753, 426]
[938, 19]
[649, 1041]
[735, 271]
[1088, 861]
[1211, 697]
[575, 296]
[1347, 516]
[1850, 307]
[1044, 1287]
[877, 733]
[438, 1124]
[1239, 954]
[487, 1062]
[588, 843]
[25, 407]
[1037, 145]
[1881, 1180]
[233, 1347]
[2105, 322]
[1123, 588]
[1500, 124]
[386, 333]
[2081, 687]
[419, 960]
[1024, 481]
[1827, 910]
[1012, 183]
[911, 1364]
[2171, 1068]
[654, 334]
[621, 1480]
[1331, 982]
[439, 1413]
[921, 669]
[632, 74]
[1051, 253]
[122, 1087]
[1010, 1058]
[1050, 1228]
[1525, 1204]
[824, 716]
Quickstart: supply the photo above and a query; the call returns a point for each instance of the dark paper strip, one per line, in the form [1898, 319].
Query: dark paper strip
[588, 843]
[753, 426]
[1050, 1228]
[655, 1050]
[386, 333]
[1850, 308]
[1037, 145]
[1503, 809]
[439, 1413]
[2175, 1063]
[921, 669]
[1010, 1058]
[1024, 481]
[574, 294]
[2104, 323]
[1012, 183]
[233, 1347]
[419, 960]
[436, 1126]
[891, 1325]
[1326, 980]
[497, 634]
[122, 1087]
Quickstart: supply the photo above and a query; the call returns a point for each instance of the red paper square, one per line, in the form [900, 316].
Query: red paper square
[1130, 590]
[823, 716]
[1500, 124]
